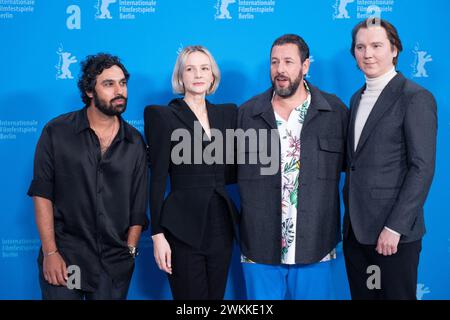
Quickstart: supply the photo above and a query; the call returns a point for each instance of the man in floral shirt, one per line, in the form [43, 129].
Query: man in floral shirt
[291, 220]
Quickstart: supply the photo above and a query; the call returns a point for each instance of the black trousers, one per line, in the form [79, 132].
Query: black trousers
[398, 272]
[106, 290]
[201, 273]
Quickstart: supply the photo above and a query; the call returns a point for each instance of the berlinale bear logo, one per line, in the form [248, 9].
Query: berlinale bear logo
[64, 62]
[103, 9]
[421, 58]
[340, 9]
[222, 9]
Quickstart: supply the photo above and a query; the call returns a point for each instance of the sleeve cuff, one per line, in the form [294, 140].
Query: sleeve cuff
[393, 231]
[156, 230]
[41, 188]
[141, 220]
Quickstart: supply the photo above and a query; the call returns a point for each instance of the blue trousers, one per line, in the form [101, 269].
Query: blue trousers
[280, 282]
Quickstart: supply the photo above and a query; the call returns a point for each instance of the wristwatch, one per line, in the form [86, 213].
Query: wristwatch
[133, 251]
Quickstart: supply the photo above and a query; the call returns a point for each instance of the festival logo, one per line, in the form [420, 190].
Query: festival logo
[103, 9]
[65, 60]
[421, 291]
[361, 9]
[421, 58]
[340, 9]
[222, 11]
[246, 10]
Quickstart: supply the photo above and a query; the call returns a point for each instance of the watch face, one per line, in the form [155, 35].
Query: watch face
[133, 251]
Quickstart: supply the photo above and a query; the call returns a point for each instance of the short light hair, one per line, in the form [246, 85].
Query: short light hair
[177, 75]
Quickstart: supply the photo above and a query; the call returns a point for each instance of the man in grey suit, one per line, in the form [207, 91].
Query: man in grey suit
[391, 150]
[290, 220]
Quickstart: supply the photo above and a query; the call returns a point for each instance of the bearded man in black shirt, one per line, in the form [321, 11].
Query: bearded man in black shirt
[90, 190]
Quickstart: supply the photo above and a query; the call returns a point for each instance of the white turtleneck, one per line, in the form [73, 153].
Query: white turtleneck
[374, 86]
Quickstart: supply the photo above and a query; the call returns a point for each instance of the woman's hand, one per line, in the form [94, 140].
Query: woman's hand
[162, 252]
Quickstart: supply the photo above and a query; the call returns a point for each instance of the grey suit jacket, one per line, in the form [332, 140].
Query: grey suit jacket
[389, 175]
[322, 158]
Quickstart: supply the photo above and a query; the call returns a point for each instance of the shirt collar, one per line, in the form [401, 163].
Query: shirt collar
[82, 124]
[81, 120]
[307, 102]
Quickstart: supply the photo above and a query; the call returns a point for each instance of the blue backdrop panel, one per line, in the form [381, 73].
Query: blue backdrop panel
[43, 41]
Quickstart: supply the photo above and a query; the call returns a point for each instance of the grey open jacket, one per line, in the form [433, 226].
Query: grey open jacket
[323, 146]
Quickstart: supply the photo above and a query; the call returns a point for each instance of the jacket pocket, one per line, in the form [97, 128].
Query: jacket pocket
[331, 145]
[330, 158]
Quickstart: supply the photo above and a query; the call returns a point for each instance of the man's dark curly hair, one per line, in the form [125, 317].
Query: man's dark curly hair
[91, 67]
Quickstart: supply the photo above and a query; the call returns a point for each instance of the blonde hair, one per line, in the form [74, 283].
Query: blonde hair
[177, 75]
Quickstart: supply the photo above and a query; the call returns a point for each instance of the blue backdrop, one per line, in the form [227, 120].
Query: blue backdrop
[43, 41]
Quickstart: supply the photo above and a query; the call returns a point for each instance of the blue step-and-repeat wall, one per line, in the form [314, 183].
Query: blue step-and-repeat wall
[43, 41]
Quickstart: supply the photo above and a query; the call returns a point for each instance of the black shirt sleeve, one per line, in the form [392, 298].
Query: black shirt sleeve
[43, 176]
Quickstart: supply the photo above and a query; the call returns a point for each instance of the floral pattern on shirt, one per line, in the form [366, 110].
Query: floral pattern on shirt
[289, 131]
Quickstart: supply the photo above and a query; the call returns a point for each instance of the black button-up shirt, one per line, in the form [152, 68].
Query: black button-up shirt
[95, 198]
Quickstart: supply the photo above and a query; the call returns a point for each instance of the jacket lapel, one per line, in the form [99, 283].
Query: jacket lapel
[187, 116]
[354, 104]
[264, 109]
[183, 112]
[318, 103]
[215, 116]
[387, 98]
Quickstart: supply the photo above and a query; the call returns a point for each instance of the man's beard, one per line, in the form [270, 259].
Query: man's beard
[108, 108]
[290, 90]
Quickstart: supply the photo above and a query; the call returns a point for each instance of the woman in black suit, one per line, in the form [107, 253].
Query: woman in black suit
[192, 228]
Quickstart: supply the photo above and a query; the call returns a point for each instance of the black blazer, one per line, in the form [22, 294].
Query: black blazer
[322, 160]
[389, 175]
[184, 211]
